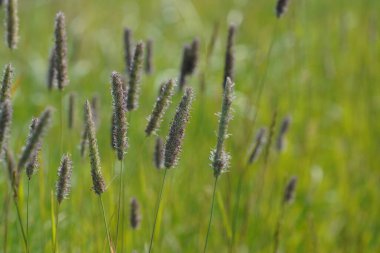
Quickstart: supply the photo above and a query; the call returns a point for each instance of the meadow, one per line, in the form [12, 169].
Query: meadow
[317, 64]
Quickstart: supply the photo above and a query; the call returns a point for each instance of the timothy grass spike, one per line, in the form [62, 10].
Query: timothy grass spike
[128, 49]
[162, 103]
[283, 130]
[97, 178]
[259, 143]
[52, 71]
[6, 83]
[229, 65]
[61, 50]
[119, 118]
[64, 178]
[12, 23]
[135, 78]
[135, 217]
[281, 7]
[159, 153]
[6, 113]
[174, 140]
[32, 164]
[220, 158]
[34, 138]
[149, 57]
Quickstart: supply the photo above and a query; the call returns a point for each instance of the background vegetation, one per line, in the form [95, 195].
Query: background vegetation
[323, 70]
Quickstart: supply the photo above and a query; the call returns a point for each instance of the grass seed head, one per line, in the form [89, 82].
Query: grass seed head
[97, 178]
[60, 54]
[128, 49]
[6, 84]
[281, 7]
[174, 140]
[34, 138]
[135, 78]
[290, 190]
[258, 146]
[149, 57]
[283, 130]
[32, 165]
[162, 103]
[11, 24]
[159, 153]
[229, 65]
[119, 118]
[135, 217]
[6, 113]
[64, 178]
[220, 158]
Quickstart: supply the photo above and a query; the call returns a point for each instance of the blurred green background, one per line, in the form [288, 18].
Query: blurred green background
[323, 70]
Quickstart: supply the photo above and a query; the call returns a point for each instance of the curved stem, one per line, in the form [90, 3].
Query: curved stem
[211, 213]
[105, 223]
[157, 209]
[22, 227]
[263, 79]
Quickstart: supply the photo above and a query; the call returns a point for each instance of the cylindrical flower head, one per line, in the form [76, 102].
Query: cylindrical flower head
[135, 217]
[259, 143]
[160, 107]
[281, 7]
[184, 66]
[6, 83]
[64, 178]
[289, 190]
[34, 138]
[119, 111]
[177, 129]
[220, 158]
[11, 24]
[283, 130]
[128, 49]
[51, 78]
[135, 78]
[159, 153]
[5, 123]
[149, 57]
[229, 65]
[97, 178]
[61, 50]
[32, 164]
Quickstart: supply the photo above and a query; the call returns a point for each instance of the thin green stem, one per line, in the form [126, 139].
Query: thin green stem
[6, 214]
[211, 214]
[27, 212]
[263, 79]
[277, 232]
[61, 119]
[236, 210]
[56, 228]
[157, 209]
[105, 223]
[21, 226]
[119, 203]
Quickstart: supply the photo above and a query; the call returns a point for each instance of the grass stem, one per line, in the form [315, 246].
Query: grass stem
[21, 226]
[157, 209]
[211, 214]
[106, 224]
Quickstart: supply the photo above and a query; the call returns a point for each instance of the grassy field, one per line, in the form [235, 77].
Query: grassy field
[322, 69]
